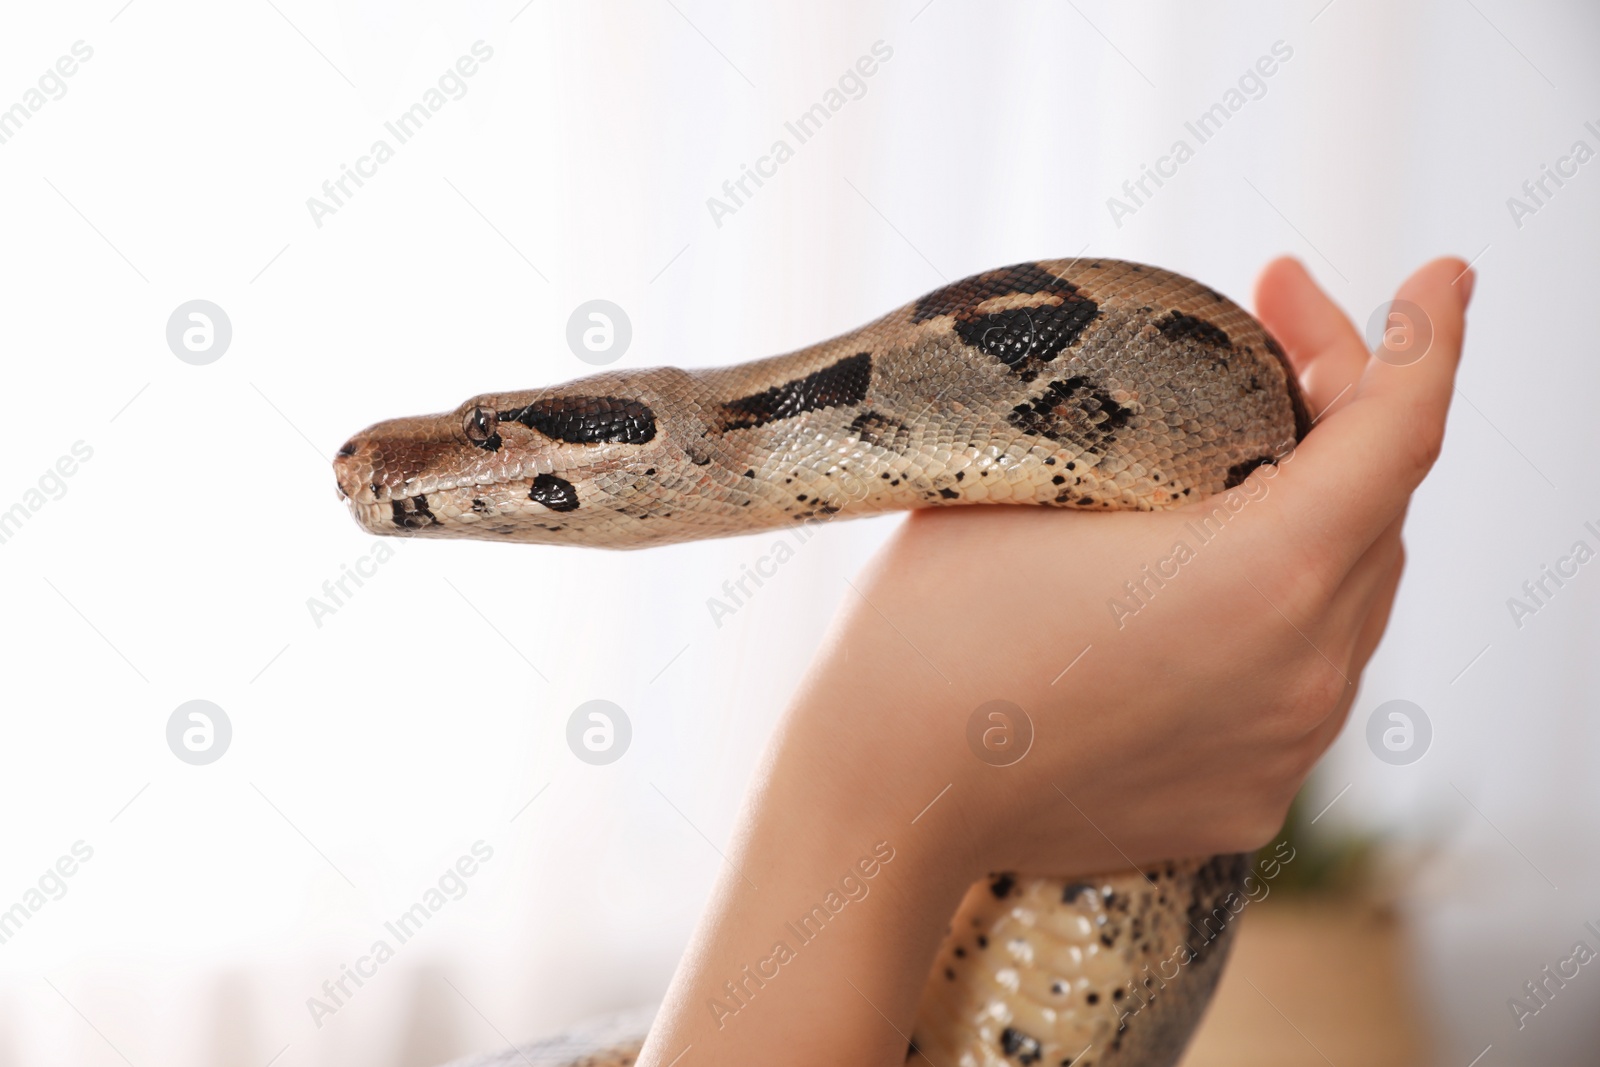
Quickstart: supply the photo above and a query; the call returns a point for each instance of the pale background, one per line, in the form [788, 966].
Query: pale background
[370, 752]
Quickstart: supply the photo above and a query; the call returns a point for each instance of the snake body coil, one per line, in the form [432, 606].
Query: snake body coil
[1083, 383]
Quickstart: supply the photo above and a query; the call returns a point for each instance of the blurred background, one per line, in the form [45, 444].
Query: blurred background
[171, 532]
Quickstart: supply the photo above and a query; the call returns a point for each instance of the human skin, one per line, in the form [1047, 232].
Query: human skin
[1184, 729]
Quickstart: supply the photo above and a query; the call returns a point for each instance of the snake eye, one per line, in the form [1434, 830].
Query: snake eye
[481, 429]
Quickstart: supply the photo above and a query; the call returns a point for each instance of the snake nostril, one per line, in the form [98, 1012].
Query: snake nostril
[344, 469]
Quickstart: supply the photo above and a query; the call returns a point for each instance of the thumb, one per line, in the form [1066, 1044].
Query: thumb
[1354, 473]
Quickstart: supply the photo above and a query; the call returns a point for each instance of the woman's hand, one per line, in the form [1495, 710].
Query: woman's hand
[1182, 671]
[1202, 698]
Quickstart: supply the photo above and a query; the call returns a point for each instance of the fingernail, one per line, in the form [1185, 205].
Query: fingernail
[1468, 280]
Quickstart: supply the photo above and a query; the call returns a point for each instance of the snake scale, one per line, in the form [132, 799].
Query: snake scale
[1094, 384]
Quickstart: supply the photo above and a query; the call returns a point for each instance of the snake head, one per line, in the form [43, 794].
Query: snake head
[584, 463]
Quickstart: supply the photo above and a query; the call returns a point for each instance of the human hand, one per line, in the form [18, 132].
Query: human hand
[1201, 700]
[1180, 725]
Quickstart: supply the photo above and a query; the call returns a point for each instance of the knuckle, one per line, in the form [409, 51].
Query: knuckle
[1258, 825]
[1316, 691]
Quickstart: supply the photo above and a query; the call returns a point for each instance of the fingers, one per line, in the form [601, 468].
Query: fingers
[1324, 348]
[1353, 475]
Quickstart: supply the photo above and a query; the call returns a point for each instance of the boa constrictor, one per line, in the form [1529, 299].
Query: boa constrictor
[1084, 384]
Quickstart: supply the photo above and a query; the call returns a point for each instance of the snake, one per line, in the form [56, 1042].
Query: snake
[1093, 384]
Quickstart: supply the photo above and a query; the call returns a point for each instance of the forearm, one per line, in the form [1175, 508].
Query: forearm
[824, 923]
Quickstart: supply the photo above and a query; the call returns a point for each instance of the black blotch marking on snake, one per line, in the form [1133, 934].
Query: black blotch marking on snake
[1025, 1048]
[837, 385]
[1022, 338]
[1297, 400]
[588, 420]
[875, 429]
[1071, 892]
[1177, 326]
[557, 494]
[412, 514]
[1074, 410]
[1214, 881]
[697, 451]
[1002, 885]
[962, 298]
[1025, 338]
[1240, 471]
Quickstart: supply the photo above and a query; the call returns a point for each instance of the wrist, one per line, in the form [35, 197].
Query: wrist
[828, 876]
[889, 735]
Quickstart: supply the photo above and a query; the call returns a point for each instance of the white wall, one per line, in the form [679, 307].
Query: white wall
[372, 751]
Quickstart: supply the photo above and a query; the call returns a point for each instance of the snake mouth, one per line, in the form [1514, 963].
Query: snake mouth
[459, 507]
